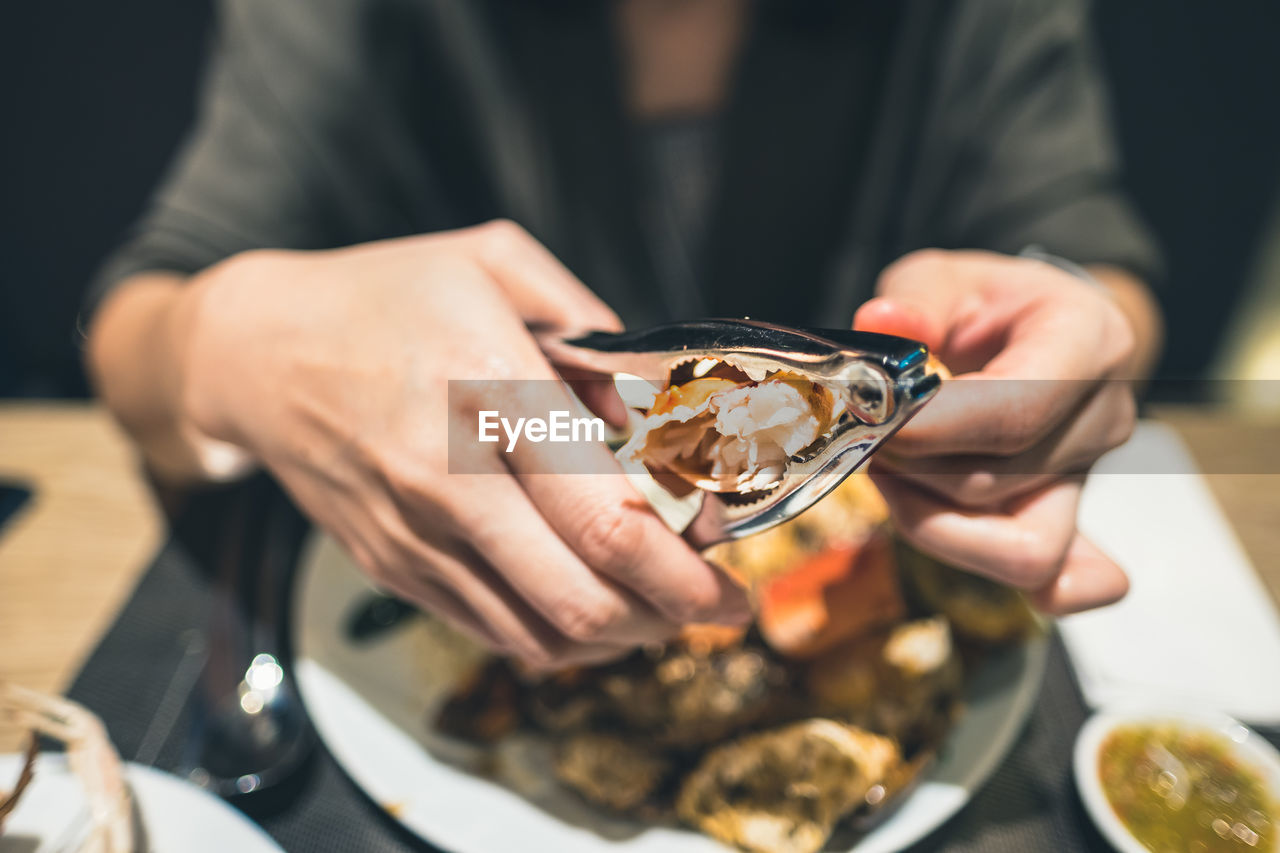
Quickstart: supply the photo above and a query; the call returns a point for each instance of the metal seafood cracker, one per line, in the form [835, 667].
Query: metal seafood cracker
[881, 380]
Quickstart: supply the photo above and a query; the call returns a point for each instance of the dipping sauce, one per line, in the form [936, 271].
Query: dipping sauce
[1179, 790]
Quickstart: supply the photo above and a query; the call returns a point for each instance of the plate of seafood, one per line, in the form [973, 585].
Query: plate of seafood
[874, 692]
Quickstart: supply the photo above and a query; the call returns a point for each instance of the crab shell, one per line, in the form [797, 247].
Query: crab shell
[729, 435]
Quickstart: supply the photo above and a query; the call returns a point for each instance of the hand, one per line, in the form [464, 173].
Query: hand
[332, 369]
[988, 475]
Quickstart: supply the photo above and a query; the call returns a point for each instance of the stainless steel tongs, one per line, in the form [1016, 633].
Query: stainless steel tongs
[881, 382]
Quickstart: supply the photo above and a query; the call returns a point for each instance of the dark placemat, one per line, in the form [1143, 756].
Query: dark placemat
[139, 678]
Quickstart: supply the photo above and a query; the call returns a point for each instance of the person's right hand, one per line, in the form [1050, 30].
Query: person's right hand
[331, 368]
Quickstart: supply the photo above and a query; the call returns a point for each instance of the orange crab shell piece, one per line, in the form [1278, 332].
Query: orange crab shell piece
[693, 394]
[838, 594]
[705, 638]
[9, 800]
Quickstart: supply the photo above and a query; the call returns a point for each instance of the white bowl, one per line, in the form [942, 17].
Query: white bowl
[1247, 746]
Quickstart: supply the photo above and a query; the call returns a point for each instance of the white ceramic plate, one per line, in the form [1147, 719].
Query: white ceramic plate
[372, 705]
[1248, 746]
[178, 816]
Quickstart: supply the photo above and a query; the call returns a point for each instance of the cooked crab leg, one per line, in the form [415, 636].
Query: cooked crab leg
[92, 758]
[10, 800]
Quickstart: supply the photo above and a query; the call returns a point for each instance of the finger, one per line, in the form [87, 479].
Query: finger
[614, 530]
[1028, 341]
[592, 539]
[917, 297]
[521, 631]
[513, 537]
[1066, 329]
[889, 317]
[973, 414]
[544, 292]
[1105, 421]
[973, 485]
[964, 300]
[433, 598]
[540, 287]
[1018, 397]
[618, 535]
[1089, 578]
[1023, 546]
[597, 393]
[356, 527]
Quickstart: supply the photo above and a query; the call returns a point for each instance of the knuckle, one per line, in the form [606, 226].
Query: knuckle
[491, 386]
[586, 619]
[1124, 338]
[611, 539]
[1018, 429]
[922, 263]
[410, 485]
[468, 514]
[1125, 421]
[468, 397]
[978, 488]
[255, 265]
[404, 546]
[1034, 564]
[694, 602]
[499, 237]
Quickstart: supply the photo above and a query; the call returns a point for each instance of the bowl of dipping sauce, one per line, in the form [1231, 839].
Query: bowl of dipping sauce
[1158, 780]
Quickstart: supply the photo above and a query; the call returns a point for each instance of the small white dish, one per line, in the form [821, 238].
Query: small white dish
[1247, 746]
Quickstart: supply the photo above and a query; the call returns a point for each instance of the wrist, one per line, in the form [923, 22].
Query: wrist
[1037, 253]
[1142, 313]
[205, 368]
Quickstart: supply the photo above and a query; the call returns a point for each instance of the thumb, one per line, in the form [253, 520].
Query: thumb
[543, 291]
[915, 298]
[889, 316]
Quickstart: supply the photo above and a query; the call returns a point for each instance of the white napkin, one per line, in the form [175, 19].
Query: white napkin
[1198, 629]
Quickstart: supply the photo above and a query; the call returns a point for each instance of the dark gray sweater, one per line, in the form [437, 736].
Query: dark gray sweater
[856, 130]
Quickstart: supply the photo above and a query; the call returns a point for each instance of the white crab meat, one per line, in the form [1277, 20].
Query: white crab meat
[725, 435]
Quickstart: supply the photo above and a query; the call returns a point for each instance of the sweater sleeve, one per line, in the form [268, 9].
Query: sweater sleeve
[301, 142]
[1018, 148]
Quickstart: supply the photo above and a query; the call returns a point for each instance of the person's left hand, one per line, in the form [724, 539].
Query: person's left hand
[988, 475]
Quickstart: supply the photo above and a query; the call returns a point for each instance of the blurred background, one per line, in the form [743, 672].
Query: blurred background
[97, 95]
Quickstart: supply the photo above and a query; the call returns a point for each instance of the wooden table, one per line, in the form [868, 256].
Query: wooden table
[1240, 458]
[73, 554]
[69, 561]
